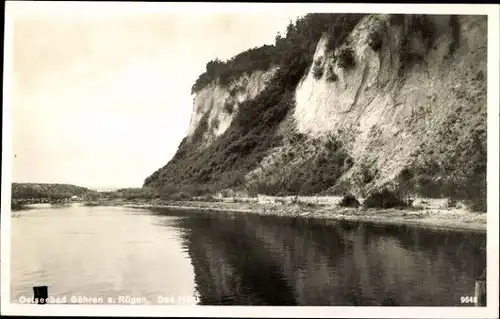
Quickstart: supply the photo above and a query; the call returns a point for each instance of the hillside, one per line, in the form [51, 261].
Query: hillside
[343, 103]
[47, 191]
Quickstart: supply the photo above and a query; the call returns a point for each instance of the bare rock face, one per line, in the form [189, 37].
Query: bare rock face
[388, 107]
[215, 105]
[400, 94]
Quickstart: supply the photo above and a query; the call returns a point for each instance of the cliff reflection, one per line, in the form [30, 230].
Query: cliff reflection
[264, 260]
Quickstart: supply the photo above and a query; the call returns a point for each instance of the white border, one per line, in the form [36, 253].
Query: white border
[244, 311]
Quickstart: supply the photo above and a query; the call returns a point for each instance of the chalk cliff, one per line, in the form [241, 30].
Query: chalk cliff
[344, 103]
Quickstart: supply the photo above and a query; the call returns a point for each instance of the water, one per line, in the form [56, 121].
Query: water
[177, 257]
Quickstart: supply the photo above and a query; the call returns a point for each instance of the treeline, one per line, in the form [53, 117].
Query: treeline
[224, 163]
[130, 194]
[300, 41]
[249, 61]
[47, 191]
[147, 193]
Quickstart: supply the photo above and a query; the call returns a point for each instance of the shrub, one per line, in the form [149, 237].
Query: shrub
[375, 41]
[383, 199]
[208, 198]
[409, 202]
[345, 58]
[455, 35]
[478, 204]
[215, 122]
[182, 196]
[133, 193]
[349, 201]
[91, 196]
[417, 26]
[318, 72]
[229, 107]
[366, 175]
[308, 204]
[15, 206]
[200, 129]
[404, 182]
[195, 190]
[425, 26]
[330, 75]
[462, 176]
[339, 188]
[340, 28]
[451, 203]
[397, 19]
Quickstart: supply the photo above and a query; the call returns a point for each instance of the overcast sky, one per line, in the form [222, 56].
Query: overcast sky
[101, 95]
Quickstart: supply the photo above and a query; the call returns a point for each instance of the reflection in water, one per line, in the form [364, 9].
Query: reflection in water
[238, 259]
[256, 260]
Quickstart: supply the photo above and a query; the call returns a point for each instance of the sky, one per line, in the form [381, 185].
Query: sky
[101, 92]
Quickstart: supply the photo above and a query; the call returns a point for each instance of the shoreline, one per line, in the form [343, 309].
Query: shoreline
[445, 219]
[423, 216]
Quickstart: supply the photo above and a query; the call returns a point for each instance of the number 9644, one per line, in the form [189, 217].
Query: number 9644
[468, 299]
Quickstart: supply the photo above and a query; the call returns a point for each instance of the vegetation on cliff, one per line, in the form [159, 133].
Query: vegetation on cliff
[456, 170]
[298, 45]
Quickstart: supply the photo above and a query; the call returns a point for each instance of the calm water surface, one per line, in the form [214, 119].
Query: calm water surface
[177, 257]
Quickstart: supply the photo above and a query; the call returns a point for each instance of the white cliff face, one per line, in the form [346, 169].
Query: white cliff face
[218, 104]
[382, 118]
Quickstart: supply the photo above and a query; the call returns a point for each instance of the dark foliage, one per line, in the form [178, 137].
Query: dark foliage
[345, 58]
[47, 191]
[229, 108]
[340, 28]
[248, 61]
[405, 183]
[215, 122]
[451, 203]
[317, 174]
[349, 201]
[200, 129]
[455, 35]
[424, 27]
[366, 175]
[397, 19]
[301, 38]
[318, 71]
[331, 76]
[460, 175]
[131, 194]
[375, 41]
[416, 26]
[384, 199]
